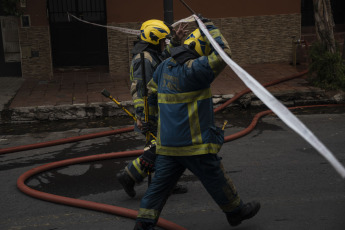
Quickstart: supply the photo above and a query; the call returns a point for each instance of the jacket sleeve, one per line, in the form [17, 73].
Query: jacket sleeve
[136, 76]
[215, 61]
[203, 70]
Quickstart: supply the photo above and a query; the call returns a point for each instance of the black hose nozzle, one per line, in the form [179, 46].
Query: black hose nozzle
[105, 93]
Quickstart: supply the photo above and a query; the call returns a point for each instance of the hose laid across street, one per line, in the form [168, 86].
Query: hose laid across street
[110, 208]
[84, 203]
[115, 209]
[65, 140]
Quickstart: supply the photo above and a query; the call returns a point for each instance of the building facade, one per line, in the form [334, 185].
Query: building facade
[49, 40]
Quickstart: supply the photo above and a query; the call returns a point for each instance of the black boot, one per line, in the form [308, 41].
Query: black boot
[179, 189]
[245, 212]
[127, 183]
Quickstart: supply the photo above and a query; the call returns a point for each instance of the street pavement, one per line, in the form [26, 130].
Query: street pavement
[298, 189]
[76, 93]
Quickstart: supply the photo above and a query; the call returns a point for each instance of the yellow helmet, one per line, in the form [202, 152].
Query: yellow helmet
[154, 30]
[201, 46]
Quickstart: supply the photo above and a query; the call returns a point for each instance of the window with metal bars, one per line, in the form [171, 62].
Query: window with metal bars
[89, 10]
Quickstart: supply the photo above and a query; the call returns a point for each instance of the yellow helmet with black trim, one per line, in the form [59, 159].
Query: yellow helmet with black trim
[201, 46]
[152, 31]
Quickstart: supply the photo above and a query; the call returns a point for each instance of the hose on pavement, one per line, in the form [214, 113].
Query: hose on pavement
[110, 208]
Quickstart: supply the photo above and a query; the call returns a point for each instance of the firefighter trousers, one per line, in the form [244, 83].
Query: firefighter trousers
[209, 170]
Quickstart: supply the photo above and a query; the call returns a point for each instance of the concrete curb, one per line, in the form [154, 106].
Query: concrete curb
[110, 109]
[65, 112]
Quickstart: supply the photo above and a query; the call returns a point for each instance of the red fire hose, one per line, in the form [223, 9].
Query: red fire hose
[64, 141]
[109, 208]
[84, 203]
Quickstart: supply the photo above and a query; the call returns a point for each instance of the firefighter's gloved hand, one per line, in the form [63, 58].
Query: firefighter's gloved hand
[204, 20]
[208, 23]
[147, 160]
[145, 126]
[148, 127]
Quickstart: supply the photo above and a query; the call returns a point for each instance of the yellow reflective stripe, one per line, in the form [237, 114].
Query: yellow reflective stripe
[130, 174]
[139, 100]
[188, 150]
[136, 164]
[213, 60]
[215, 33]
[184, 97]
[153, 142]
[194, 122]
[152, 87]
[148, 213]
[138, 103]
[216, 63]
[131, 73]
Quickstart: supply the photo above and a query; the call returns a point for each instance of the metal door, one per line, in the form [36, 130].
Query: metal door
[75, 43]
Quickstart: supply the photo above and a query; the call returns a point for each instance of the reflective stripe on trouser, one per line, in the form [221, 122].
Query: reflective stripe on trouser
[208, 168]
[133, 169]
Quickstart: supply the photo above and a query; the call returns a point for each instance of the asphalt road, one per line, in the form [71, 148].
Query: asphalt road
[298, 189]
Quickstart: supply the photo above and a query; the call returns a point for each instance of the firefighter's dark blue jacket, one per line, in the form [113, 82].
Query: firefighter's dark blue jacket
[184, 100]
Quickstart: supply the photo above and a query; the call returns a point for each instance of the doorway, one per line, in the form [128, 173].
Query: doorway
[76, 43]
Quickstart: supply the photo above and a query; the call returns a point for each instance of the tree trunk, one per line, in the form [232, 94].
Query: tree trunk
[324, 23]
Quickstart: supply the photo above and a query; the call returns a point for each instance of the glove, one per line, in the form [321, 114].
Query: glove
[204, 20]
[147, 160]
[148, 127]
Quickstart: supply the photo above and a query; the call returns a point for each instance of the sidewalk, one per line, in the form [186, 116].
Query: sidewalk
[76, 94]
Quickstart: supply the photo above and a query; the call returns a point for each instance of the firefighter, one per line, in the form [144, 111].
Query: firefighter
[152, 43]
[187, 137]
